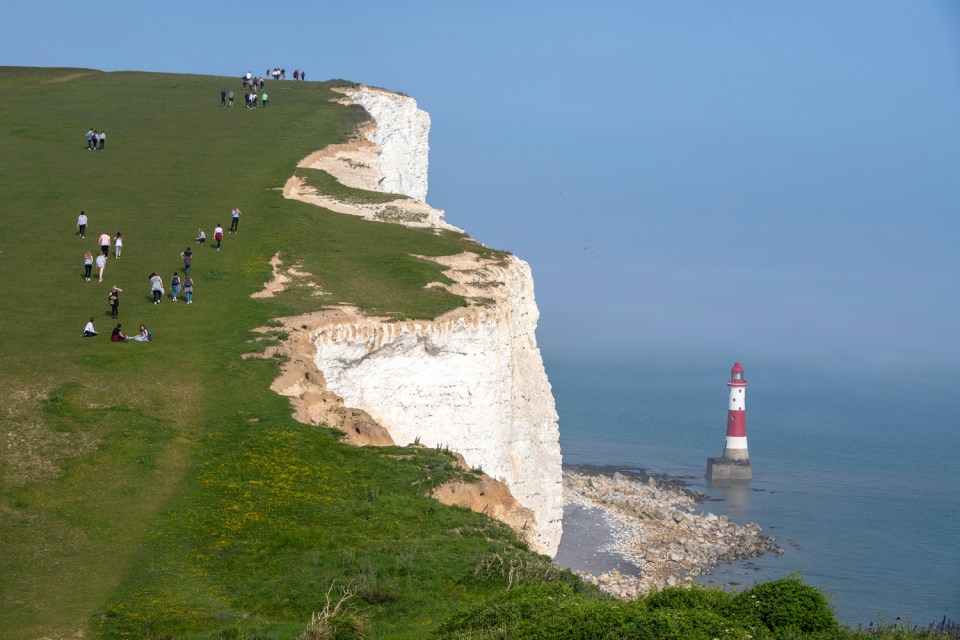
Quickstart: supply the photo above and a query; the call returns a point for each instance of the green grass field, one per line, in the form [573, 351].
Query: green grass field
[161, 489]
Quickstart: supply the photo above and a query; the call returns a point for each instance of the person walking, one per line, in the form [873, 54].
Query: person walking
[101, 265]
[89, 331]
[231, 97]
[117, 245]
[264, 98]
[87, 266]
[175, 286]
[218, 235]
[187, 256]
[104, 243]
[89, 138]
[102, 138]
[223, 97]
[188, 289]
[114, 299]
[156, 287]
[234, 219]
[82, 224]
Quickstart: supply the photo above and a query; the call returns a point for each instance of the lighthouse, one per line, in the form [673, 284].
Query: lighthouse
[735, 463]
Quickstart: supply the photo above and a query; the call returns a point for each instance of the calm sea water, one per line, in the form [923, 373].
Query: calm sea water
[856, 473]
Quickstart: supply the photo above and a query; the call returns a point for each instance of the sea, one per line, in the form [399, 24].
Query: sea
[856, 471]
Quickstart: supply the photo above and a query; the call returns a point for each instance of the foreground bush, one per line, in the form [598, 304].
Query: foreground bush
[556, 611]
[786, 606]
[776, 610]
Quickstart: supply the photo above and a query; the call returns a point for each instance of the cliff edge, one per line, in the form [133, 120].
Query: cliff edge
[472, 380]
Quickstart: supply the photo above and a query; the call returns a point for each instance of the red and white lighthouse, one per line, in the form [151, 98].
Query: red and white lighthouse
[735, 463]
[736, 447]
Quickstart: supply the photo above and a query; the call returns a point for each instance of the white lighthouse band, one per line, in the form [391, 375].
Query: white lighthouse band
[736, 448]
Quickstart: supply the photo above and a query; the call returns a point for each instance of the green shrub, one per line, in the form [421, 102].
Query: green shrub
[523, 607]
[786, 607]
[693, 597]
[558, 612]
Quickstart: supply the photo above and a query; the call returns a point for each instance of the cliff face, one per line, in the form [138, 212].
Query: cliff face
[389, 155]
[401, 134]
[472, 380]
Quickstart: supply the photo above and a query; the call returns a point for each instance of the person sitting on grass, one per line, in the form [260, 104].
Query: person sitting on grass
[202, 237]
[89, 331]
[144, 335]
[117, 335]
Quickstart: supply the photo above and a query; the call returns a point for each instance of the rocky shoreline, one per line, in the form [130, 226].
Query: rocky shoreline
[656, 527]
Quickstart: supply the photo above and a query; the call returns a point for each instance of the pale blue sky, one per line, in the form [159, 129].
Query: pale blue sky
[759, 179]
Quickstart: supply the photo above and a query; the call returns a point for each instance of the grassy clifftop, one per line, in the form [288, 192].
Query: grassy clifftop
[161, 489]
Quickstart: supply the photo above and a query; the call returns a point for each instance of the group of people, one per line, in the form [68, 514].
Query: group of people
[100, 261]
[178, 284]
[201, 238]
[251, 99]
[104, 242]
[117, 335]
[143, 335]
[252, 85]
[95, 139]
[277, 73]
[249, 81]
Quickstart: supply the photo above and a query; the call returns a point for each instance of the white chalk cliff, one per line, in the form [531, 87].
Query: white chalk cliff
[402, 133]
[472, 380]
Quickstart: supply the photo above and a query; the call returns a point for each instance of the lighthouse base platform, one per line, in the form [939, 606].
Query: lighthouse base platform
[726, 469]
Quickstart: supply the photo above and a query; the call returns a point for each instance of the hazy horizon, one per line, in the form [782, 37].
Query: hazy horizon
[746, 179]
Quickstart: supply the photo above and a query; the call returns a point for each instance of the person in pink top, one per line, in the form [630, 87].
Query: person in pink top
[104, 244]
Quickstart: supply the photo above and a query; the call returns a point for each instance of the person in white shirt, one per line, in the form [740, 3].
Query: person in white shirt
[102, 138]
[82, 224]
[117, 245]
[234, 219]
[89, 331]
